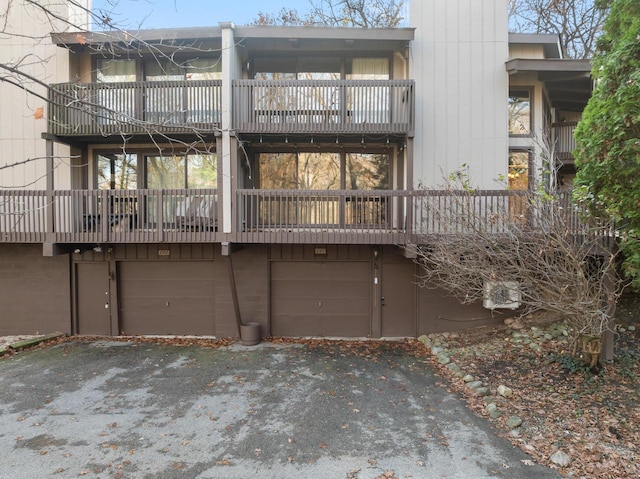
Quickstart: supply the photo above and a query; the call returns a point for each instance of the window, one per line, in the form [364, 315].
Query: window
[324, 171]
[181, 171]
[519, 170]
[115, 71]
[117, 171]
[520, 120]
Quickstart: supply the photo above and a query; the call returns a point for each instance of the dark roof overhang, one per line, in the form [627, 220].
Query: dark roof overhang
[568, 82]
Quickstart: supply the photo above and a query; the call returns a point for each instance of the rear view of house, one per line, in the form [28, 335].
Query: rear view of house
[187, 175]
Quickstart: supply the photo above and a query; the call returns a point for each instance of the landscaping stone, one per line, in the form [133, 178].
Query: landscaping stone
[631, 328]
[443, 358]
[513, 422]
[468, 378]
[482, 391]
[454, 368]
[475, 384]
[505, 391]
[560, 458]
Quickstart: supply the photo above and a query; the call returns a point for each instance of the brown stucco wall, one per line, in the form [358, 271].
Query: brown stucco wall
[34, 291]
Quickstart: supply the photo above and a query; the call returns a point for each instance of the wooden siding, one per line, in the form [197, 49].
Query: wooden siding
[457, 63]
[565, 143]
[323, 106]
[90, 109]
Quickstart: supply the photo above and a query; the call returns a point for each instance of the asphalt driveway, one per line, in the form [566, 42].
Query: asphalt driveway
[137, 410]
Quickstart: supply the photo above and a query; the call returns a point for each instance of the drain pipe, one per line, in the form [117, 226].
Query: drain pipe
[226, 252]
[249, 332]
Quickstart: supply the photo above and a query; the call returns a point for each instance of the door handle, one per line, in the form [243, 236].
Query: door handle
[382, 301]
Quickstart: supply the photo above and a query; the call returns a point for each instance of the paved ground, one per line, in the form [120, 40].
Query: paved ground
[130, 410]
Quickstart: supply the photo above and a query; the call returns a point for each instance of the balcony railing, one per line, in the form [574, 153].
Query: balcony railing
[85, 109]
[564, 140]
[112, 216]
[324, 106]
[323, 216]
[264, 216]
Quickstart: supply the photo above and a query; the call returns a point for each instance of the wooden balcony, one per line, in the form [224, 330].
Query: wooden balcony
[104, 109]
[324, 106]
[563, 140]
[263, 216]
[109, 216]
[334, 216]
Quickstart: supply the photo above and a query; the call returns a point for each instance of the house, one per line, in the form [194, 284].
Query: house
[189, 179]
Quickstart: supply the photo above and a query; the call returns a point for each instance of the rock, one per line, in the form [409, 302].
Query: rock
[482, 391]
[491, 407]
[443, 358]
[453, 367]
[514, 422]
[489, 399]
[548, 336]
[495, 414]
[505, 391]
[425, 340]
[560, 458]
[436, 350]
[509, 321]
[631, 328]
[468, 378]
[475, 384]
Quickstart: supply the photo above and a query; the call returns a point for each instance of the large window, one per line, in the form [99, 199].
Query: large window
[319, 175]
[120, 171]
[520, 118]
[324, 171]
[181, 171]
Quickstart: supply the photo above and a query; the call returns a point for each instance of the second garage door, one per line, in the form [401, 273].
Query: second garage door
[166, 298]
[321, 299]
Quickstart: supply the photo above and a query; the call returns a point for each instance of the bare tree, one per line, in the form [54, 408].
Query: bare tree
[341, 13]
[526, 249]
[578, 22]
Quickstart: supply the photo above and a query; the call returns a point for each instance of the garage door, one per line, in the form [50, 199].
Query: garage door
[320, 299]
[166, 298]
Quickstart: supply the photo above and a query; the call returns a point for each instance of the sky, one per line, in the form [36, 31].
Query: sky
[191, 13]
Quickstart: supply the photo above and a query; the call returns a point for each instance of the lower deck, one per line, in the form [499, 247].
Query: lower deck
[324, 290]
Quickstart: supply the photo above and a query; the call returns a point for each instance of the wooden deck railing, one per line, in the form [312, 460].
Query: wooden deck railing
[265, 216]
[323, 106]
[23, 216]
[334, 216]
[77, 109]
[564, 141]
[111, 216]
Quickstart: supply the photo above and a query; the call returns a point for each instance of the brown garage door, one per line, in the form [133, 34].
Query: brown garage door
[166, 298]
[320, 299]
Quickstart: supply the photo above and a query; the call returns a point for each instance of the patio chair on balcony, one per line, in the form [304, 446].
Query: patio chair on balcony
[197, 213]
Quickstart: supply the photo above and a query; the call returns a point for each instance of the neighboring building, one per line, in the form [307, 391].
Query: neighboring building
[275, 166]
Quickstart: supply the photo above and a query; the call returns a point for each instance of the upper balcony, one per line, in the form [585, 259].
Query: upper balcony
[564, 142]
[143, 107]
[323, 106]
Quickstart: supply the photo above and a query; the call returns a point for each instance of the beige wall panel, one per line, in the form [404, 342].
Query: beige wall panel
[20, 131]
[460, 46]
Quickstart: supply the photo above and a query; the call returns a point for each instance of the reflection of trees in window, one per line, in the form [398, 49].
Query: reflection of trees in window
[323, 171]
[180, 171]
[519, 112]
[202, 171]
[367, 171]
[117, 171]
[319, 171]
[518, 170]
